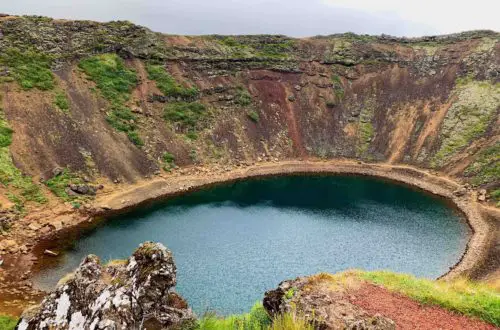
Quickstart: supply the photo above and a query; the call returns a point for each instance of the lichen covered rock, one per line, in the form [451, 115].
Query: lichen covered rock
[323, 304]
[130, 294]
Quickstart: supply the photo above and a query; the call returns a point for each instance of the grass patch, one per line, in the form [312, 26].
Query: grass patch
[167, 84]
[462, 296]
[254, 116]
[186, 115]
[29, 68]
[59, 183]
[256, 319]
[61, 101]
[7, 322]
[115, 82]
[486, 167]
[112, 77]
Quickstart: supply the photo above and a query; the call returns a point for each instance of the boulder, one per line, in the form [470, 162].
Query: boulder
[121, 295]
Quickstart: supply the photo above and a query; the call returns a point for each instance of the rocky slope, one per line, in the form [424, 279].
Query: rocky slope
[103, 102]
[93, 109]
[138, 293]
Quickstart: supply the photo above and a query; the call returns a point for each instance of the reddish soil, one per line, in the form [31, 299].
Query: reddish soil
[409, 314]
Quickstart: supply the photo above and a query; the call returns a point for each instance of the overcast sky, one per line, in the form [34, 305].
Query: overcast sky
[291, 17]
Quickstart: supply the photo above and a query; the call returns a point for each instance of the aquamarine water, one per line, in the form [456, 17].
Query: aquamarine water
[232, 242]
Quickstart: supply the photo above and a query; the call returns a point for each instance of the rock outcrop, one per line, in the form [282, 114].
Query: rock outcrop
[324, 305]
[133, 294]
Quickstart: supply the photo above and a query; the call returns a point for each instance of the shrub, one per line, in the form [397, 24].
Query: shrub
[168, 161]
[253, 115]
[29, 68]
[242, 97]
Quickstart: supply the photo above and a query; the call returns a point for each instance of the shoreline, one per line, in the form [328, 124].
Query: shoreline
[127, 197]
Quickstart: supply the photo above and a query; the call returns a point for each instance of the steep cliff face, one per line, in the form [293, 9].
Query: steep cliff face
[117, 101]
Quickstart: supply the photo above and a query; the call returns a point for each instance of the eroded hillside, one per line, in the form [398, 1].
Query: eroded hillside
[85, 101]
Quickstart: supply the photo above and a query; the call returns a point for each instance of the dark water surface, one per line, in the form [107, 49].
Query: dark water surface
[233, 242]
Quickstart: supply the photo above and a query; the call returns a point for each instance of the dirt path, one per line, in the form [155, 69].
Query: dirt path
[409, 314]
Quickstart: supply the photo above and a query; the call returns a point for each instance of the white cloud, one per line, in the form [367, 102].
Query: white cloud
[444, 16]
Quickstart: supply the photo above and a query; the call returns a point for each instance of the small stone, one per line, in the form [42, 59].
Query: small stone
[50, 253]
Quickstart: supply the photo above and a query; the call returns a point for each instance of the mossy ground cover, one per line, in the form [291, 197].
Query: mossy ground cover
[7, 322]
[486, 167]
[115, 82]
[461, 296]
[468, 118]
[11, 177]
[167, 84]
[29, 69]
[186, 115]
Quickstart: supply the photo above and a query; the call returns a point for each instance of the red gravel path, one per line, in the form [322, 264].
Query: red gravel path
[409, 314]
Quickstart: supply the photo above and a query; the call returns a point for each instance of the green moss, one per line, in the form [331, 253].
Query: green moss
[167, 84]
[7, 322]
[242, 97]
[61, 101]
[486, 167]
[254, 116]
[186, 115]
[365, 128]
[29, 68]
[115, 82]
[11, 176]
[468, 118]
[338, 88]
[59, 183]
[462, 296]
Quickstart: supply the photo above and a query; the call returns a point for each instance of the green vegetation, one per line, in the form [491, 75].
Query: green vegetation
[59, 183]
[115, 82]
[168, 161]
[338, 89]
[11, 176]
[253, 115]
[167, 84]
[462, 296]
[7, 322]
[29, 68]
[365, 130]
[186, 115]
[261, 46]
[257, 319]
[486, 167]
[468, 118]
[61, 101]
[242, 97]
